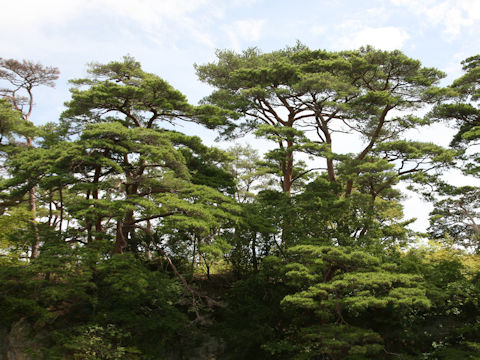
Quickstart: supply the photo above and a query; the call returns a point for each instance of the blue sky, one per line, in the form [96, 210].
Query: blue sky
[169, 36]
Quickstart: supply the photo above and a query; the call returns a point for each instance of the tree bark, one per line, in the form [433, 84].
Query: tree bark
[373, 140]
[120, 243]
[33, 210]
[98, 220]
[254, 252]
[287, 169]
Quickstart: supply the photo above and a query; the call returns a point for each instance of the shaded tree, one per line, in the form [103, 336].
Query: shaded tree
[21, 78]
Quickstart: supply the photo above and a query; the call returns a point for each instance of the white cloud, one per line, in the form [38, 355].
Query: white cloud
[35, 13]
[244, 30]
[386, 38]
[318, 29]
[156, 17]
[245, 2]
[453, 68]
[153, 17]
[377, 13]
[249, 29]
[151, 12]
[453, 15]
[24, 15]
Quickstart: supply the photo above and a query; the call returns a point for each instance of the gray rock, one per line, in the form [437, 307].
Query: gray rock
[21, 343]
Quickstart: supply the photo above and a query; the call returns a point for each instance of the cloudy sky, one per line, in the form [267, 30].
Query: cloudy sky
[169, 36]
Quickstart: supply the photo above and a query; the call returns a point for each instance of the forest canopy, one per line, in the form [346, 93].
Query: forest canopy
[125, 238]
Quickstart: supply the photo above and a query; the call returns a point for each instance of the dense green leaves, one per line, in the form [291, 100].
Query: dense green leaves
[154, 245]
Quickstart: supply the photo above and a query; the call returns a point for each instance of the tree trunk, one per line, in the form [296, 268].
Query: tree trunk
[254, 252]
[120, 243]
[194, 252]
[98, 220]
[60, 193]
[33, 210]
[366, 150]
[330, 165]
[287, 169]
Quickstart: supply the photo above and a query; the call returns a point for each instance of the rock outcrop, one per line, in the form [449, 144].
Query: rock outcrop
[20, 343]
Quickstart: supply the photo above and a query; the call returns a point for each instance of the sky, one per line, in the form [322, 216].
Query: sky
[168, 36]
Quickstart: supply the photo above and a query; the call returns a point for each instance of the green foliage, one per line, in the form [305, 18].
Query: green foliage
[14, 235]
[463, 109]
[99, 343]
[302, 261]
[213, 253]
[353, 280]
[453, 218]
[282, 93]
[143, 99]
[331, 342]
[89, 304]
[12, 123]
[333, 291]
[253, 316]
